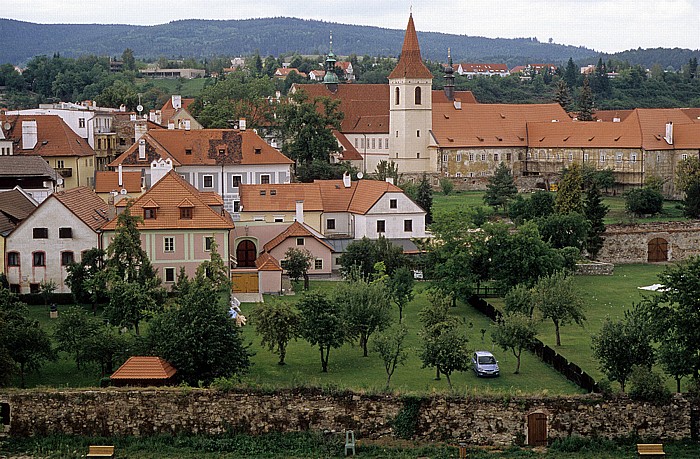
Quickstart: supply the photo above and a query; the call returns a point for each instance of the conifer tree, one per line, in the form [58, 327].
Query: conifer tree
[570, 189]
[562, 96]
[585, 102]
[500, 189]
[424, 198]
[571, 74]
[595, 212]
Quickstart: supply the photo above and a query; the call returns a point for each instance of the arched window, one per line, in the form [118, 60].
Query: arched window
[246, 254]
[397, 97]
[418, 95]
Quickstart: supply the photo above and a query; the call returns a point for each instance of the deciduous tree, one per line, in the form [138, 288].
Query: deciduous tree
[321, 324]
[365, 307]
[297, 262]
[277, 323]
[557, 299]
[424, 198]
[390, 345]
[515, 332]
[401, 287]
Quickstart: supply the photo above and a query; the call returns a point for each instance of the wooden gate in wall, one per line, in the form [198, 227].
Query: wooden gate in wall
[245, 282]
[537, 429]
[658, 250]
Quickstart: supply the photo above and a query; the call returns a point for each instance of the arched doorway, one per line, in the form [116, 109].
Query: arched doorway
[537, 429]
[246, 254]
[658, 250]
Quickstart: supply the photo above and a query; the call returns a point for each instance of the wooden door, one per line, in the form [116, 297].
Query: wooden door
[537, 429]
[658, 250]
[245, 282]
[246, 254]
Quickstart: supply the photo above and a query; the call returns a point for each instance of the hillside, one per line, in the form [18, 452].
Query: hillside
[204, 38]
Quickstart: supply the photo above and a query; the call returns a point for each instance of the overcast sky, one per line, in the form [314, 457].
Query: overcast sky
[604, 25]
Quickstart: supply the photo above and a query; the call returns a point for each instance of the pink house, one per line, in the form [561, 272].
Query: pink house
[179, 226]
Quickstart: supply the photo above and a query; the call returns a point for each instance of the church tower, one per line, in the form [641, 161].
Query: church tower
[410, 108]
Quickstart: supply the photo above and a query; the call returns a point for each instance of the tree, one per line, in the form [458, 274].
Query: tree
[595, 211]
[569, 195]
[128, 61]
[691, 203]
[107, 348]
[24, 344]
[197, 337]
[519, 300]
[539, 204]
[366, 253]
[307, 128]
[73, 326]
[515, 332]
[387, 169]
[401, 287]
[215, 270]
[621, 345]
[562, 96]
[130, 303]
[557, 299]
[365, 309]
[571, 74]
[87, 279]
[127, 261]
[673, 357]
[390, 347]
[277, 323]
[500, 189]
[424, 198]
[321, 324]
[644, 201]
[688, 181]
[585, 102]
[297, 262]
[564, 230]
[46, 289]
[446, 186]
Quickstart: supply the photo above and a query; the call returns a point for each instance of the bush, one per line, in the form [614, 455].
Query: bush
[34, 299]
[645, 385]
[644, 201]
[447, 186]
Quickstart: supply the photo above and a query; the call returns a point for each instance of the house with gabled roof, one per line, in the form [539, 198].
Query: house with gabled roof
[31, 173]
[113, 186]
[180, 225]
[49, 137]
[15, 206]
[212, 160]
[174, 114]
[54, 235]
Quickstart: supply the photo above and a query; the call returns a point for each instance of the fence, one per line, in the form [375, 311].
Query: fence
[570, 370]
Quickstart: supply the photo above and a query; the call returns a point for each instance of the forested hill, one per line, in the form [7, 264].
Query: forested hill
[204, 38]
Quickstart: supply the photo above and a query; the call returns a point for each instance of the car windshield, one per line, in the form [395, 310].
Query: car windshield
[487, 359]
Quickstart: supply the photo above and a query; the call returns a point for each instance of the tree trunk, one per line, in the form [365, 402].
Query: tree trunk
[517, 357]
[437, 373]
[283, 352]
[449, 382]
[400, 314]
[678, 385]
[556, 330]
[306, 281]
[622, 385]
[363, 343]
[324, 359]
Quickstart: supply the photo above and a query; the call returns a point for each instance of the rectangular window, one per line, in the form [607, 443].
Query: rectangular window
[236, 206]
[236, 181]
[418, 133]
[397, 134]
[40, 233]
[168, 244]
[393, 203]
[169, 274]
[208, 181]
[149, 214]
[60, 164]
[278, 219]
[357, 143]
[330, 224]
[186, 213]
[618, 158]
[318, 264]
[471, 157]
[386, 143]
[259, 218]
[300, 241]
[571, 156]
[34, 288]
[459, 157]
[81, 122]
[264, 179]
[483, 157]
[67, 258]
[444, 158]
[13, 259]
[495, 157]
[408, 225]
[208, 241]
[188, 151]
[381, 226]
[585, 156]
[380, 143]
[65, 233]
[222, 151]
[684, 157]
[373, 144]
[362, 143]
[602, 158]
[38, 259]
[633, 158]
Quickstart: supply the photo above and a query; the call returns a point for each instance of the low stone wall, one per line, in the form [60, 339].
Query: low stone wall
[497, 420]
[595, 269]
[630, 243]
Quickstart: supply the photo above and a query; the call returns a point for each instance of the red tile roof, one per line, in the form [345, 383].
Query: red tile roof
[652, 122]
[610, 115]
[165, 196]
[349, 152]
[410, 63]
[584, 134]
[280, 197]
[54, 137]
[144, 368]
[484, 68]
[490, 125]
[86, 205]
[266, 262]
[296, 229]
[285, 71]
[167, 111]
[202, 146]
[107, 181]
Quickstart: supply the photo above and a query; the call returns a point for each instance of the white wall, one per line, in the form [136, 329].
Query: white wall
[366, 225]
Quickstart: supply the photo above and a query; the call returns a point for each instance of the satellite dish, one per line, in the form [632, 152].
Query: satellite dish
[139, 108]
[123, 191]
[360, 175]
[7, 126]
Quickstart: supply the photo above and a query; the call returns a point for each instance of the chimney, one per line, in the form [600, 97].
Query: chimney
[668, 138]
[171, 125]
[187, 124]
[300, 212]
[30, 136]
[142, 149]
[140, 128]
[389, 180]
[241, 124]
[346, 180]
[121, 177]
[177, 102]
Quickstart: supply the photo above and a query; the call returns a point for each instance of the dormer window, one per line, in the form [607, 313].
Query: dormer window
[188, 151]
[149, 214]
[258, 151]
[222, 151]
[186, 213]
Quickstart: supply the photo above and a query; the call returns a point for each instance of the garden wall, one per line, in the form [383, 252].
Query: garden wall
[496, 420]
[635, 243]
[595, 269]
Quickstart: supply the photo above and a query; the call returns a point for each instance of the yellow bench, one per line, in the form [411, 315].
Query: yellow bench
[100, 451]
[645, 450]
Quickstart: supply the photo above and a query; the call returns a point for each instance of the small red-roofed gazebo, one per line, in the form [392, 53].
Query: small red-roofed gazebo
[144, 371]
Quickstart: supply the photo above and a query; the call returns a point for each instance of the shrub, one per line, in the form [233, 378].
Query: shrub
[447, 186]
[645, 385]
[643, 201]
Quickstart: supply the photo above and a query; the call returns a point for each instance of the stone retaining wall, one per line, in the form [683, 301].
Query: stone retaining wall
[595, 269]
[630, 243]
[497, 420]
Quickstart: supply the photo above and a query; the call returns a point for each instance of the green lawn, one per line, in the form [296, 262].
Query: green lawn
[348, 369]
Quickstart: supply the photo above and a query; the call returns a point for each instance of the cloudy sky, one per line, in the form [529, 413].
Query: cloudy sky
[604, 25]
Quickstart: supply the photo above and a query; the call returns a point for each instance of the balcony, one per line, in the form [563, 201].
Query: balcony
[65, 171]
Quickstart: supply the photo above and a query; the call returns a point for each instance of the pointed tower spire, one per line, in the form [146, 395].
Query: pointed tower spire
[330, 79]
[449, 78]
[410, 63]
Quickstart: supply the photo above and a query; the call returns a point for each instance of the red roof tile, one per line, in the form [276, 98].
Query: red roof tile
[107, 181]
[167, 111]
[144, 368]
[280, 197]
[266, 262]
[410, 63]
[86, 205]
[296, 229]
[54, 137]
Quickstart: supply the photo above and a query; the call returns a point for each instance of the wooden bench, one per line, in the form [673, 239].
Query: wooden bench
[100, 451]
[647, 450]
